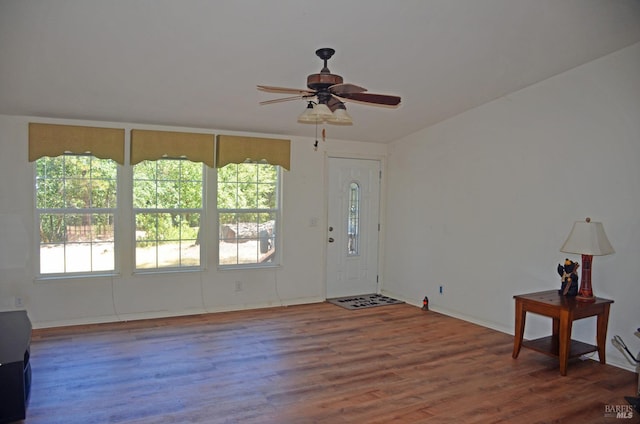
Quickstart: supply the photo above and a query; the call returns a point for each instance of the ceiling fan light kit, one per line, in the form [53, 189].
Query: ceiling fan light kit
[340, 117]
[331, 92]
[320, 113]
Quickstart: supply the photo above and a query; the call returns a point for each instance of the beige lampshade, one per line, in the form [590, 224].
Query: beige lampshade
[322, 111]
[308, 117]
[340, 117]
[587, 238]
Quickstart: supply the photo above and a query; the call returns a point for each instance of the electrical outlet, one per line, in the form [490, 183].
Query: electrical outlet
[238, 286]
[18, 302]
[441, 290]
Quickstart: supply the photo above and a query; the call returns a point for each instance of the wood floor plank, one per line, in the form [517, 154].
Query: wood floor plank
[308, 364]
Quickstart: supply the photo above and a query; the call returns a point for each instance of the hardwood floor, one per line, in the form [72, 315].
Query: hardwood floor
[309, 364]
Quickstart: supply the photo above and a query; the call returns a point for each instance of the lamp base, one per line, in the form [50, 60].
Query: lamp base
[585, 299]
[585, 292]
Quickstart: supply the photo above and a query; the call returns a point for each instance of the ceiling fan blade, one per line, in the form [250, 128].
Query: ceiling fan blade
[379, 99]
[284, 90]
[283, 99]
[340, 89]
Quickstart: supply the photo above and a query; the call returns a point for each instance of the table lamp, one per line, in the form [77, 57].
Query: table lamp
[587, 239]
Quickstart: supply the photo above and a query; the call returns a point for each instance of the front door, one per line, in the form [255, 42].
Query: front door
[353, 227]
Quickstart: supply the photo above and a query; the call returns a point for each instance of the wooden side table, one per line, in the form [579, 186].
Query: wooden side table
[564, 310]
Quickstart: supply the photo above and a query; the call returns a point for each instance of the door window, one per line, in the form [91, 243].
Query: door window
[353, 224]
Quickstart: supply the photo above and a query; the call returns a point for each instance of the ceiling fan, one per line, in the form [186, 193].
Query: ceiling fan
[330, 92]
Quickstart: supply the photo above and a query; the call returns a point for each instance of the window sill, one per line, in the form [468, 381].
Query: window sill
[58, 277]
[247, 267]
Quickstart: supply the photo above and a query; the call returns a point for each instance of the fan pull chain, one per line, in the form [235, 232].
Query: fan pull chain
[315, 145]
[324, 137]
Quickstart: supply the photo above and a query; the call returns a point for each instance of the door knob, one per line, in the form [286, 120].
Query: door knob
[331, 240]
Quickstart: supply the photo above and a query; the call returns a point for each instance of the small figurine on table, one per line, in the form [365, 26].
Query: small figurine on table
[569, 277]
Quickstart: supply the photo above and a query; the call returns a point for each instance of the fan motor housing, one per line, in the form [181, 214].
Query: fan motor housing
[323, 81]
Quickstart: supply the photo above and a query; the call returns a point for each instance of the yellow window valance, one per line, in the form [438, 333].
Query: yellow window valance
[237, 149]
[154, 145]
[55, 140]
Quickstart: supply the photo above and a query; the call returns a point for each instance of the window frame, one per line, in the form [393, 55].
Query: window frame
[202, 260]
[39, 211]
[277, 228]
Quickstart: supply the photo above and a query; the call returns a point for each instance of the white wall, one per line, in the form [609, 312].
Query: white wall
[300, 278]
[482, 202]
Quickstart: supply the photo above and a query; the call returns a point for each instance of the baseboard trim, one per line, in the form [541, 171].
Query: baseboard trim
[136, 316]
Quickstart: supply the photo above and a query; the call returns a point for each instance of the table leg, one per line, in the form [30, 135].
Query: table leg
[564, 340]
[601, 337]
[519, 329]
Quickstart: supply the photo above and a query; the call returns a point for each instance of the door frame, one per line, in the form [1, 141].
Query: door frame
[382, 159]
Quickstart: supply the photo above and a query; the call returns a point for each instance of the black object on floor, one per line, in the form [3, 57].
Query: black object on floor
[364, 301]
[634, 402]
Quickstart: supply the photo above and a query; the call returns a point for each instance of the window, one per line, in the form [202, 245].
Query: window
[248, 214]
[353, 226]
[75, 209]
[82, 211]
[168, 209]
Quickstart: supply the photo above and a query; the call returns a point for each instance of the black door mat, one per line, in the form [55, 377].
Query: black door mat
[364, 301]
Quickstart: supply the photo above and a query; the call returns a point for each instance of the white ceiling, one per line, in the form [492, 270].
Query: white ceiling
[196, 63]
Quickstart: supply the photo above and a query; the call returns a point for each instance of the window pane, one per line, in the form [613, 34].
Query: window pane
[144, 194]
[78, 257]
[189, 253]
[52, 258]
[168, 195]
[190, 195]
[239, 243]
[77, 166]
[44, 193]
[228, 227]
[353, 224]
[227, 196]
[52, 228]
[268, 174]
[165, 227]
[49, 183]
[103, 256]
[228, 174]
[168, 256]
[103, 242]
[191, 171]
[78, 228]
[103, 169]
[77, 193]
[103, 193]
[50, 168]
[250, 192]
[168, 169]
[145, 170]
[266, 237]
[103, 227]
[247, 172]
[267, 196]
[146, 254]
